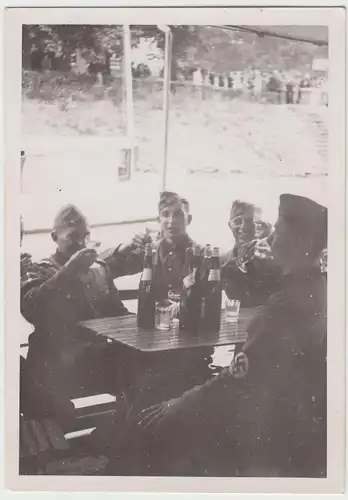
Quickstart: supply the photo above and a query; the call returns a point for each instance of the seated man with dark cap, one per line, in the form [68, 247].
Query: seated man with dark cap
[255, 280]
[70, 286]
[266, 414]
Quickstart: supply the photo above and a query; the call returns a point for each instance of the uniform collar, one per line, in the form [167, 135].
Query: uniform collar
[59, 258]
[306, 274]
[165, 247]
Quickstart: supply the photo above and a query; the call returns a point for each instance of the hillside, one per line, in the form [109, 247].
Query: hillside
[213, 135]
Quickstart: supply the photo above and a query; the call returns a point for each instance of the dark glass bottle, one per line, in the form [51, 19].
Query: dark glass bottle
[146, 300]
[212, 298]
[191, 296]
[205, 270]
[205, 274]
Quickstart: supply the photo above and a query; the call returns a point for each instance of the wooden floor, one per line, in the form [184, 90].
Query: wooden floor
[84, 466]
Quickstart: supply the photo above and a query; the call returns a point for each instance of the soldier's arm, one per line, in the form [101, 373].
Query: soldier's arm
[227, 259]
[41, 287]
[227, 394]
[123, 261]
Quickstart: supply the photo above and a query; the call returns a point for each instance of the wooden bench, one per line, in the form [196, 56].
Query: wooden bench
[45, 448]
[39, 442]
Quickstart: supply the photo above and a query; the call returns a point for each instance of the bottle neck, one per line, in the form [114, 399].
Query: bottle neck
[148, 262]
[214, 273]
[147, 271]
[195, 263]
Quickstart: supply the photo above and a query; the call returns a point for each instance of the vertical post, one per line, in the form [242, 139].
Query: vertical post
[166, 96]
[127, 61]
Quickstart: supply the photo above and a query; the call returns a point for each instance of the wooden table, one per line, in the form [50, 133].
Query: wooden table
[124, 330]
[157, 365]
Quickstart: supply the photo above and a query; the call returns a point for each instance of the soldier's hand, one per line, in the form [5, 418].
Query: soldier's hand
[81, 261]
[138, 241]
[174, 309]
[153, 417]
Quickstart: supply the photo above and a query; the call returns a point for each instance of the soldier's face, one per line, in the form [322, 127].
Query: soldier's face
[283, 244]
[72, 239]
[292, 247]
[242, 226]
[174, 220]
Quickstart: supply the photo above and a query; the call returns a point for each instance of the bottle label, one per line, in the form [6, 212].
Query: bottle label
[190, 279]
[203, 307]
[214, 275]
[147, 274]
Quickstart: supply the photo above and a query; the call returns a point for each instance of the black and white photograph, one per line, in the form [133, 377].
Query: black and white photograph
[173, 195]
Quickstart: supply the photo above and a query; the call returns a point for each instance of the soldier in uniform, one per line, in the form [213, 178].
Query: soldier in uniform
[170, 269]
[174, 372]
[266, 414]
[170, 266]
[169, 248]
[70, 286]
[254, 282]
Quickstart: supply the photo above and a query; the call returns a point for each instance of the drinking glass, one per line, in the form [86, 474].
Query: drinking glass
[174, 296]
[93, 244]
[164, 317]
[232, 307]
[262, 249]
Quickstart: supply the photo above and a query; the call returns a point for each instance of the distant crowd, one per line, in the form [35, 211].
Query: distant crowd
[288, 87]
[276, 86]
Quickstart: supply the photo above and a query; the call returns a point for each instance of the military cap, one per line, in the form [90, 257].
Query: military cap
[240, 206]
[305, 214]
[68, 216]
[168, 198]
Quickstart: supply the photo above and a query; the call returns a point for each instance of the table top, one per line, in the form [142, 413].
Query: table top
[124, 330]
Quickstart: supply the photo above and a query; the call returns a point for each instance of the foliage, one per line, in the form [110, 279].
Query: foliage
[212, 48]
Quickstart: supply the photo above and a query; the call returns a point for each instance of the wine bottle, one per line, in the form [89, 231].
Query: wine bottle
[191, 295]
[212, 298]
[146, 299]
[204, 275]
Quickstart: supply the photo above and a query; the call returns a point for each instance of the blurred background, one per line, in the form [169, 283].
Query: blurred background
[247, 119]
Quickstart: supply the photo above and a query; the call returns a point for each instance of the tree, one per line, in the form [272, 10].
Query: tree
[212, 48]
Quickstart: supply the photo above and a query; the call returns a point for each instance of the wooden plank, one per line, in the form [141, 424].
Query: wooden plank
[39, 436]
[29, 445]
[79, 434]
[125, 331]
[55, 435]
[92, 401]
[129, 294]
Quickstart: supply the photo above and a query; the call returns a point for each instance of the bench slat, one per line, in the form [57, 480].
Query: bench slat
[28, 447]
[55, 435]
[39, 436]
[129, 294]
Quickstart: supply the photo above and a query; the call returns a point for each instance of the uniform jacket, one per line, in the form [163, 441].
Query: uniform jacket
[266, 414]
[54, 303]
[169, 264]
[252, 288]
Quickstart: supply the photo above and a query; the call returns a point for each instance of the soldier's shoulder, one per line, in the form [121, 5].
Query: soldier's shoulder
[227, 258]
[108, 253]
[38, 271]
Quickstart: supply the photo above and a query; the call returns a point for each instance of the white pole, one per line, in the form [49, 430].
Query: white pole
[166, 97]
[129, 92]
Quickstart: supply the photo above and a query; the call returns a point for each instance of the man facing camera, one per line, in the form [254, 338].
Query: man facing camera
[252, 281]
[170, 267]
